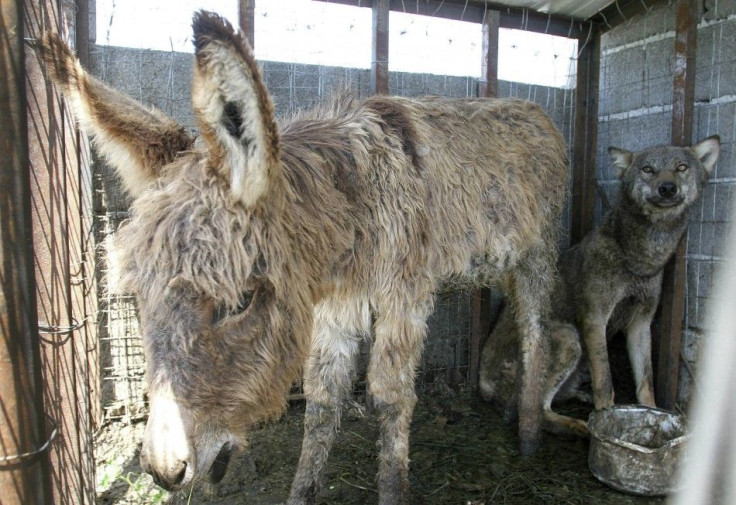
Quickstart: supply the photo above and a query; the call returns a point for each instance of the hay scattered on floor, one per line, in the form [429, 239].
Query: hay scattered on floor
[462, 453]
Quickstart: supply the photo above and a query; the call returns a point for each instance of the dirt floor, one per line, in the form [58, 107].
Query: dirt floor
[462, 453]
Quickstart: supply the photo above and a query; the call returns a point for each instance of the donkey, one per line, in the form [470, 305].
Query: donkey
[264, 251]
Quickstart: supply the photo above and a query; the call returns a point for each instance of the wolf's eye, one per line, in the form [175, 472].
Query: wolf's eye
[681, 167]
[647, 169]
[222, 312]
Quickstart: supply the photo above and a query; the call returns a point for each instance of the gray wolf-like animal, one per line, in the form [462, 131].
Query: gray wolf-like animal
[609, 282]
[268, 250]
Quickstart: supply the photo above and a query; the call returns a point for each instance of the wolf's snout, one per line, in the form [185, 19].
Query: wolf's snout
[667, 189]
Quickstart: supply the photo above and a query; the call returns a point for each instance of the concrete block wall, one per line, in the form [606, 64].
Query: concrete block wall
[637, 61]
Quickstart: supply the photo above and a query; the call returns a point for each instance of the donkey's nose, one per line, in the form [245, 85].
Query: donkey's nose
[667, 189]
[169, 478]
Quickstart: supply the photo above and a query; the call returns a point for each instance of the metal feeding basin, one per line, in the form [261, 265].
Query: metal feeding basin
[635, 449]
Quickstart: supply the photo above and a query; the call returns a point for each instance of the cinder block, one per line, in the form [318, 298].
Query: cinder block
[716, 120]
[658, 73]
[623, 84]
[278, 76]
[723, 202]
[706, 239]
[709, 76]
[306, 76]
[720, 239]
[410, 84]
[693, 237]
[659, 19]
[718, 9]
[460, 86]
[709, 203]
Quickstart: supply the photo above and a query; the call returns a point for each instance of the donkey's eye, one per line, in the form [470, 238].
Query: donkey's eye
[647, 169]
[682, 167]
[222, 312]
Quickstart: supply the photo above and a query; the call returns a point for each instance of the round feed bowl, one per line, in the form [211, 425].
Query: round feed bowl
[635, 449]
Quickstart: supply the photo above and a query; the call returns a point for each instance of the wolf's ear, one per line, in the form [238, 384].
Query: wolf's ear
[621, 159]
[233, 108]
[136, 140]
[707, 151]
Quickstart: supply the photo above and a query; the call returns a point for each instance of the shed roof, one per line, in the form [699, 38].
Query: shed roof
[571, 8]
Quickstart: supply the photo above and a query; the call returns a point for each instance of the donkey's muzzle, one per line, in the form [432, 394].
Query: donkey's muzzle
[170, 478]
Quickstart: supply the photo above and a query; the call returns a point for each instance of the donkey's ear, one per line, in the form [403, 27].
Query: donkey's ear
[233, 108]
[621, 159]
[137, 140]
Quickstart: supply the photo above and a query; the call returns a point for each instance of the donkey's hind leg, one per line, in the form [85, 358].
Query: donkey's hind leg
[339, 327]
[529, 293]
[396, 352]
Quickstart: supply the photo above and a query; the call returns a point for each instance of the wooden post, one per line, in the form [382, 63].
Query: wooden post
[24, 456]
[489, 61]
[481, 309]
[673, 285]
[586, 134]
[379, 63]
[246, 20]
[61, 196]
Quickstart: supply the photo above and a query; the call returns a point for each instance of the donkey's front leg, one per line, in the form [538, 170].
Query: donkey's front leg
[396, 353]
[328, 381]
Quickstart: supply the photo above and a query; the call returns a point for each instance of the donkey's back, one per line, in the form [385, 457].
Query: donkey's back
[460, 188]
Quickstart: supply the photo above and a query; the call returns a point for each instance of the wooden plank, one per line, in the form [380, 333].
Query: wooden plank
[586, 136]
[379, 61]
[489, 57]
[673, 285]
[474, 12]
[480, 324]
[246, 20]
[61, 210]
[23, 479]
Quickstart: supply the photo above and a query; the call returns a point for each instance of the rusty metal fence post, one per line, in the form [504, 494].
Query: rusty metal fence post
[24, 460]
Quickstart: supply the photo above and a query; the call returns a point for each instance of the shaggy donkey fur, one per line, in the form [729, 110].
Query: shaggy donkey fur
[275, 249]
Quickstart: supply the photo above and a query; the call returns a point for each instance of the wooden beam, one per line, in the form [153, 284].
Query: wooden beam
[246, 20]
[474, 11]
[379, 62]
[489, 61]
[25, 473]
[673, 285]
[480, 324]
[586, 135]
